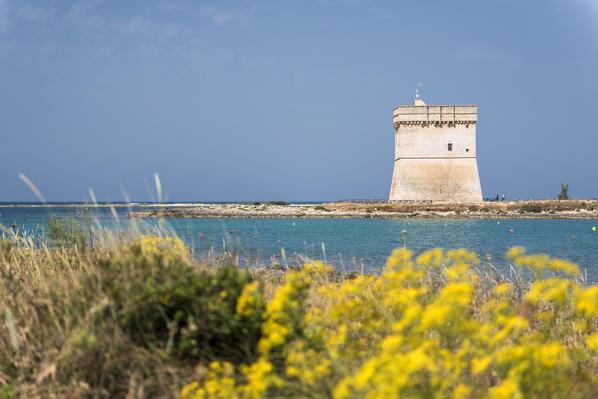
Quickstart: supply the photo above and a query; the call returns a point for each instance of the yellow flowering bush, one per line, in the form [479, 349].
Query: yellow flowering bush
[433, 326]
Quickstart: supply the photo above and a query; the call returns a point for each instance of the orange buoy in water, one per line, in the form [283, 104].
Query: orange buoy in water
[511, 231]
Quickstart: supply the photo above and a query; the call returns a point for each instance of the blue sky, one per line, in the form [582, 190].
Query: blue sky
[259, 100]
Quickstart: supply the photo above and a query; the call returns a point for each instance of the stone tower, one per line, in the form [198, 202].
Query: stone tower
[435, 153]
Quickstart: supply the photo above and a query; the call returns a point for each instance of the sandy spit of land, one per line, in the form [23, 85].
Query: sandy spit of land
[542, 209]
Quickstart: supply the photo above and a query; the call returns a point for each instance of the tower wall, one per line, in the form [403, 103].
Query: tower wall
[425, 168]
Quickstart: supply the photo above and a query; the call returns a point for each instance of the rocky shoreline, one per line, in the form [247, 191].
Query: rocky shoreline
[506, 210]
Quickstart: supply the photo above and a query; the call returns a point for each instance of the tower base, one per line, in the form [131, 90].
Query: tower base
[437, 180]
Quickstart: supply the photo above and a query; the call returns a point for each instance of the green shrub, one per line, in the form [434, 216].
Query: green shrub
[162, 301]
[8, 391]
[66, 233]
[321, 208]
[473, 208]
[277, 203]
[530, 208]
[564, 194]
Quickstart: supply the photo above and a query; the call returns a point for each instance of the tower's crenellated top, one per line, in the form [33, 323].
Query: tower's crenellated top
[434, 114]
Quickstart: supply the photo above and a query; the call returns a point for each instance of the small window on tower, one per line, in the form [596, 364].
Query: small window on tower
[450, 146]
[467, 150]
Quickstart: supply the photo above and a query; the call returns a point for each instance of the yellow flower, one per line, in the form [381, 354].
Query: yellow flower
[168, 248]
[502, 289]
[190, 391]
[587, 302]
[553, 290]
[463, 256]
[450, 305]
[400, 258]
[249, 299]
[508, 389]
[478, 366]
[219, 384]
[515, 252]
[511, 326]
[592, 342]
[551, 355]
[433, 257]
[462, 392]
[259, 377]
[564, 266]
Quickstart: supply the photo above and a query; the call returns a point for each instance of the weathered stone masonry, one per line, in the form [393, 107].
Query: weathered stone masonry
[435, 153]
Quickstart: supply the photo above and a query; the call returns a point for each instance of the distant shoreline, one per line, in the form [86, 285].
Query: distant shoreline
[544, 209]
[101, 205]
[534, 209]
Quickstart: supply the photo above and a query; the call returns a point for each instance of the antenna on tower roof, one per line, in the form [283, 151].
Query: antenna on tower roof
[418, 100]
[418, 90]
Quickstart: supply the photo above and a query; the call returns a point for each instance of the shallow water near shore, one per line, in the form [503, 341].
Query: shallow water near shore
[349, 244]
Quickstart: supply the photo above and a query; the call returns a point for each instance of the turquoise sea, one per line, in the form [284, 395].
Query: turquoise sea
[349, 244]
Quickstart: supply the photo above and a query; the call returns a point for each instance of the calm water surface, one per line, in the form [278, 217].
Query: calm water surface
[350, 244]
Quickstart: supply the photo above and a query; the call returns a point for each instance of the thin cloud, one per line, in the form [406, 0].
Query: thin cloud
[214, 12]
[4, 19]
[82, 16]
[387, 16]
[168, 32]
[342, 2]
[32, 13]
[135, 26]
[481, 53]
[217, 16]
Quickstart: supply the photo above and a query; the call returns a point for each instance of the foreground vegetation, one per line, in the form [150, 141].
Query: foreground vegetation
[140, 318]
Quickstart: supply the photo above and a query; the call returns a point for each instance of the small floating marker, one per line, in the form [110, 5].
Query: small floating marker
[293, 224]
[572, 238]
[498, 222]
[593, 228]
[445, 225]
[511, 231]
